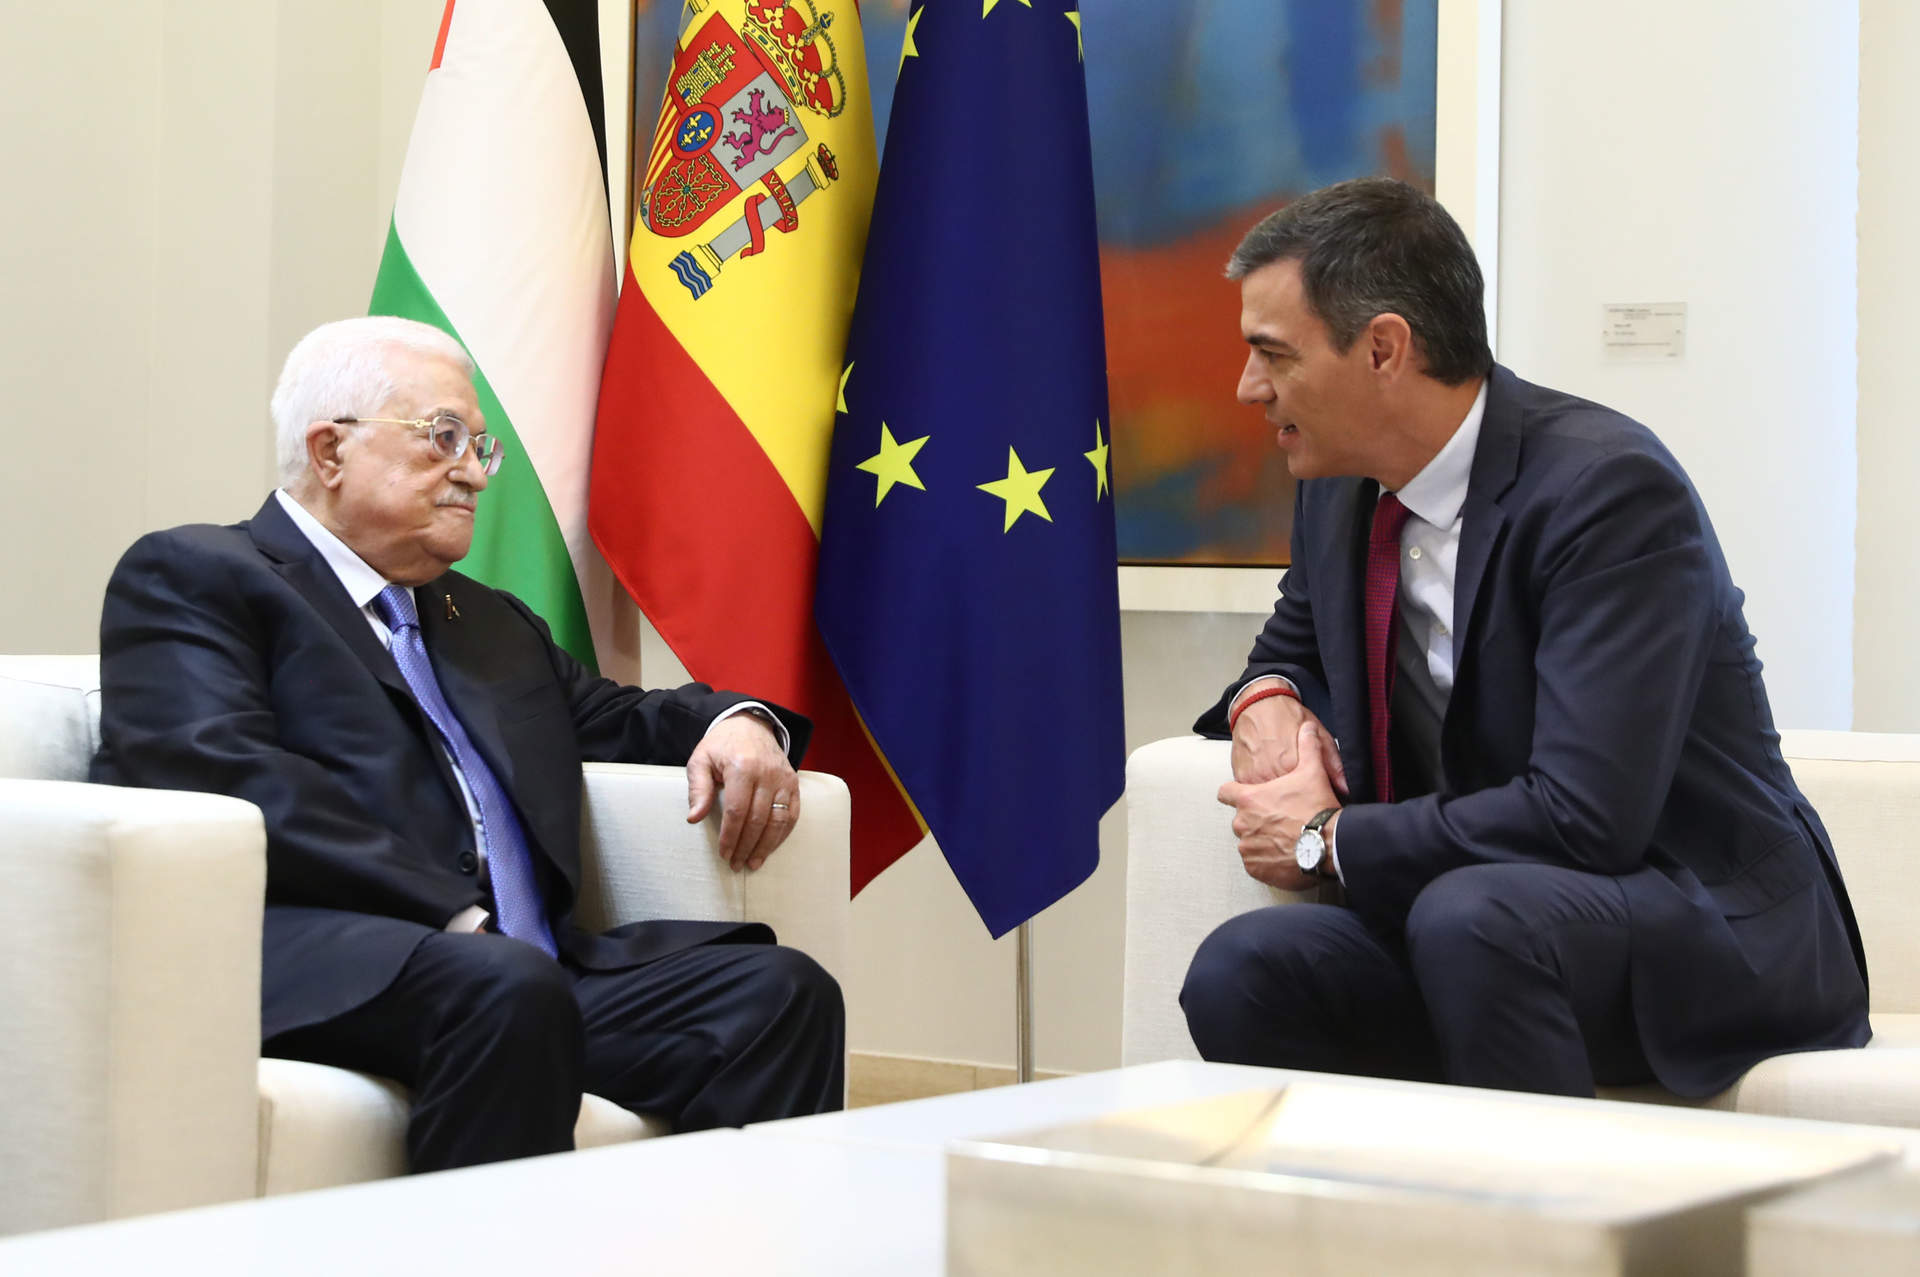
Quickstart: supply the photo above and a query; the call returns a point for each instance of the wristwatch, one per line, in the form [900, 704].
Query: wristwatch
[1310, 849]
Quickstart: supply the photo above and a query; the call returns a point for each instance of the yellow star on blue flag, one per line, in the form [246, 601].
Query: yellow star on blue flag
[1098, 458]
[893, 463]
[1020, 490]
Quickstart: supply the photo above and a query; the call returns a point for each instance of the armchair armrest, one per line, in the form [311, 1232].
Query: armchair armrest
[641, 859]
[1184, 878]
[130, 977]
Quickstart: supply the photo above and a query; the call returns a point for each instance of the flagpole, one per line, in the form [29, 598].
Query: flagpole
[1023, 1004]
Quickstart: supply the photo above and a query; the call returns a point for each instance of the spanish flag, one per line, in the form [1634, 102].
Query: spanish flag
[718, 400]
[500, 236]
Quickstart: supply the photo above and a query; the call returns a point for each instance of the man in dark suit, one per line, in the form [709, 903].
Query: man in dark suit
[414, 740]
[1509, 701]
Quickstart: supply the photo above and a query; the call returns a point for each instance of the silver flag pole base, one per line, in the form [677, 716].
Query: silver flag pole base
[1023, 1003]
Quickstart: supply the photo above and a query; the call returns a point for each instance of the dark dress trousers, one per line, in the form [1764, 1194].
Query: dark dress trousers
[233, 661]
[1607, 755]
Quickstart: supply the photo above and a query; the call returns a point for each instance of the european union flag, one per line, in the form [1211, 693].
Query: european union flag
[968, 588]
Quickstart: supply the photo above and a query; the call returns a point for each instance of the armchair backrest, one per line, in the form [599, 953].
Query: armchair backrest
[49, 716]
[1866, 787]
[129, 972]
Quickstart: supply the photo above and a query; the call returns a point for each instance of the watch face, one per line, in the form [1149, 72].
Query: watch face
[1308, 851]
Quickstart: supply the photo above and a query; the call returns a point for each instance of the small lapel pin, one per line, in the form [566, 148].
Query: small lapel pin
[453, 613]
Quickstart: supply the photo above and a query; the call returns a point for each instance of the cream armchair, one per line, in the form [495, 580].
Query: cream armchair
[1184, 879]
[130, 1069]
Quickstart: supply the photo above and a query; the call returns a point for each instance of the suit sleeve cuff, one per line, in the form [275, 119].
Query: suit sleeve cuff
[472, 918]
[761, 714]
[1265, 680]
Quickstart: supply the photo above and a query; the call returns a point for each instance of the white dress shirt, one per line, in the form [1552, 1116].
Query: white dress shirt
[1430, 543]
[363, 585]
[1429, 552]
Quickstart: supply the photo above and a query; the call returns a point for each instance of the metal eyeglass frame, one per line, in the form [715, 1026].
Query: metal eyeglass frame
[488, 449]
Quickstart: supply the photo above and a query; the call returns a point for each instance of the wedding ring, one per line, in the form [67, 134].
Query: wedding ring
[779, 806]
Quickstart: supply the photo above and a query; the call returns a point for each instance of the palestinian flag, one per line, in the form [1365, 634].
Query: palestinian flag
[501, 237]
[721, 386]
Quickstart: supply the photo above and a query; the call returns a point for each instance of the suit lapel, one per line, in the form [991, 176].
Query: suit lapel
[462, 653]
[458, 654]
[300, 564]
[1349, 516]
[1496, 460]
[1339, 603]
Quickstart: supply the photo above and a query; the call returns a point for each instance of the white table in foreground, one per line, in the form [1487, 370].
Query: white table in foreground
[863, 1192]
[793, 1197]
[932, 1123]
[1011, 1116]
[721, 1202]
[971, 1115]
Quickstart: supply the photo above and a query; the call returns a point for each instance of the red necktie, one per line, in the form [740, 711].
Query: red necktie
[1383, 588]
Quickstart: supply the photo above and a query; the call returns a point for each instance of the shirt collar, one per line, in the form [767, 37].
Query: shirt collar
[1440, 489]
[361, 581]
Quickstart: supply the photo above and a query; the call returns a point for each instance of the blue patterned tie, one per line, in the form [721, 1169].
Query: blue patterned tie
[516, 895]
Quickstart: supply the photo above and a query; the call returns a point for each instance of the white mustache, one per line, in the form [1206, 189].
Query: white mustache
[462, 502]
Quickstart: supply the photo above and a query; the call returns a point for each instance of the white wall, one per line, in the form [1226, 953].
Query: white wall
[1886, 604]
[1704, 152]
[75, 335]
[192, 185]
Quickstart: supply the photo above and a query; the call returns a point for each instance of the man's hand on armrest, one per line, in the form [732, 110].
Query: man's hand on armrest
[746, 761]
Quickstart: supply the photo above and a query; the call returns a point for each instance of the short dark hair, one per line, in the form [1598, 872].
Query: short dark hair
[1372, 246]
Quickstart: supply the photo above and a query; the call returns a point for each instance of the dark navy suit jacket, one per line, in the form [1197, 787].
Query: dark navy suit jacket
[233, 661]
[1607, 715]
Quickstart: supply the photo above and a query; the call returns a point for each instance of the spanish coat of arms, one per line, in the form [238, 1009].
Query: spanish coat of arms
[733, 114]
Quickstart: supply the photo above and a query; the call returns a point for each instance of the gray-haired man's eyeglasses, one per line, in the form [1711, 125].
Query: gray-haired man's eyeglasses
[448, 435]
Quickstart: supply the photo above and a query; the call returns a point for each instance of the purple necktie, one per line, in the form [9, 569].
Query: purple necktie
[516, 893]
[1382, 591]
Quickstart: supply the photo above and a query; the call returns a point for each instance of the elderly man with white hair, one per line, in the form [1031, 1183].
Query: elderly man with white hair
[414, 739]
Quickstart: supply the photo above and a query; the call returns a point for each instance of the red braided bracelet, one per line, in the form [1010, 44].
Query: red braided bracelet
[1278, 689]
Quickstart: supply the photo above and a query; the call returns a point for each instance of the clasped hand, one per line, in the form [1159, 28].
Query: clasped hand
[1276, 790]
[740, 757]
